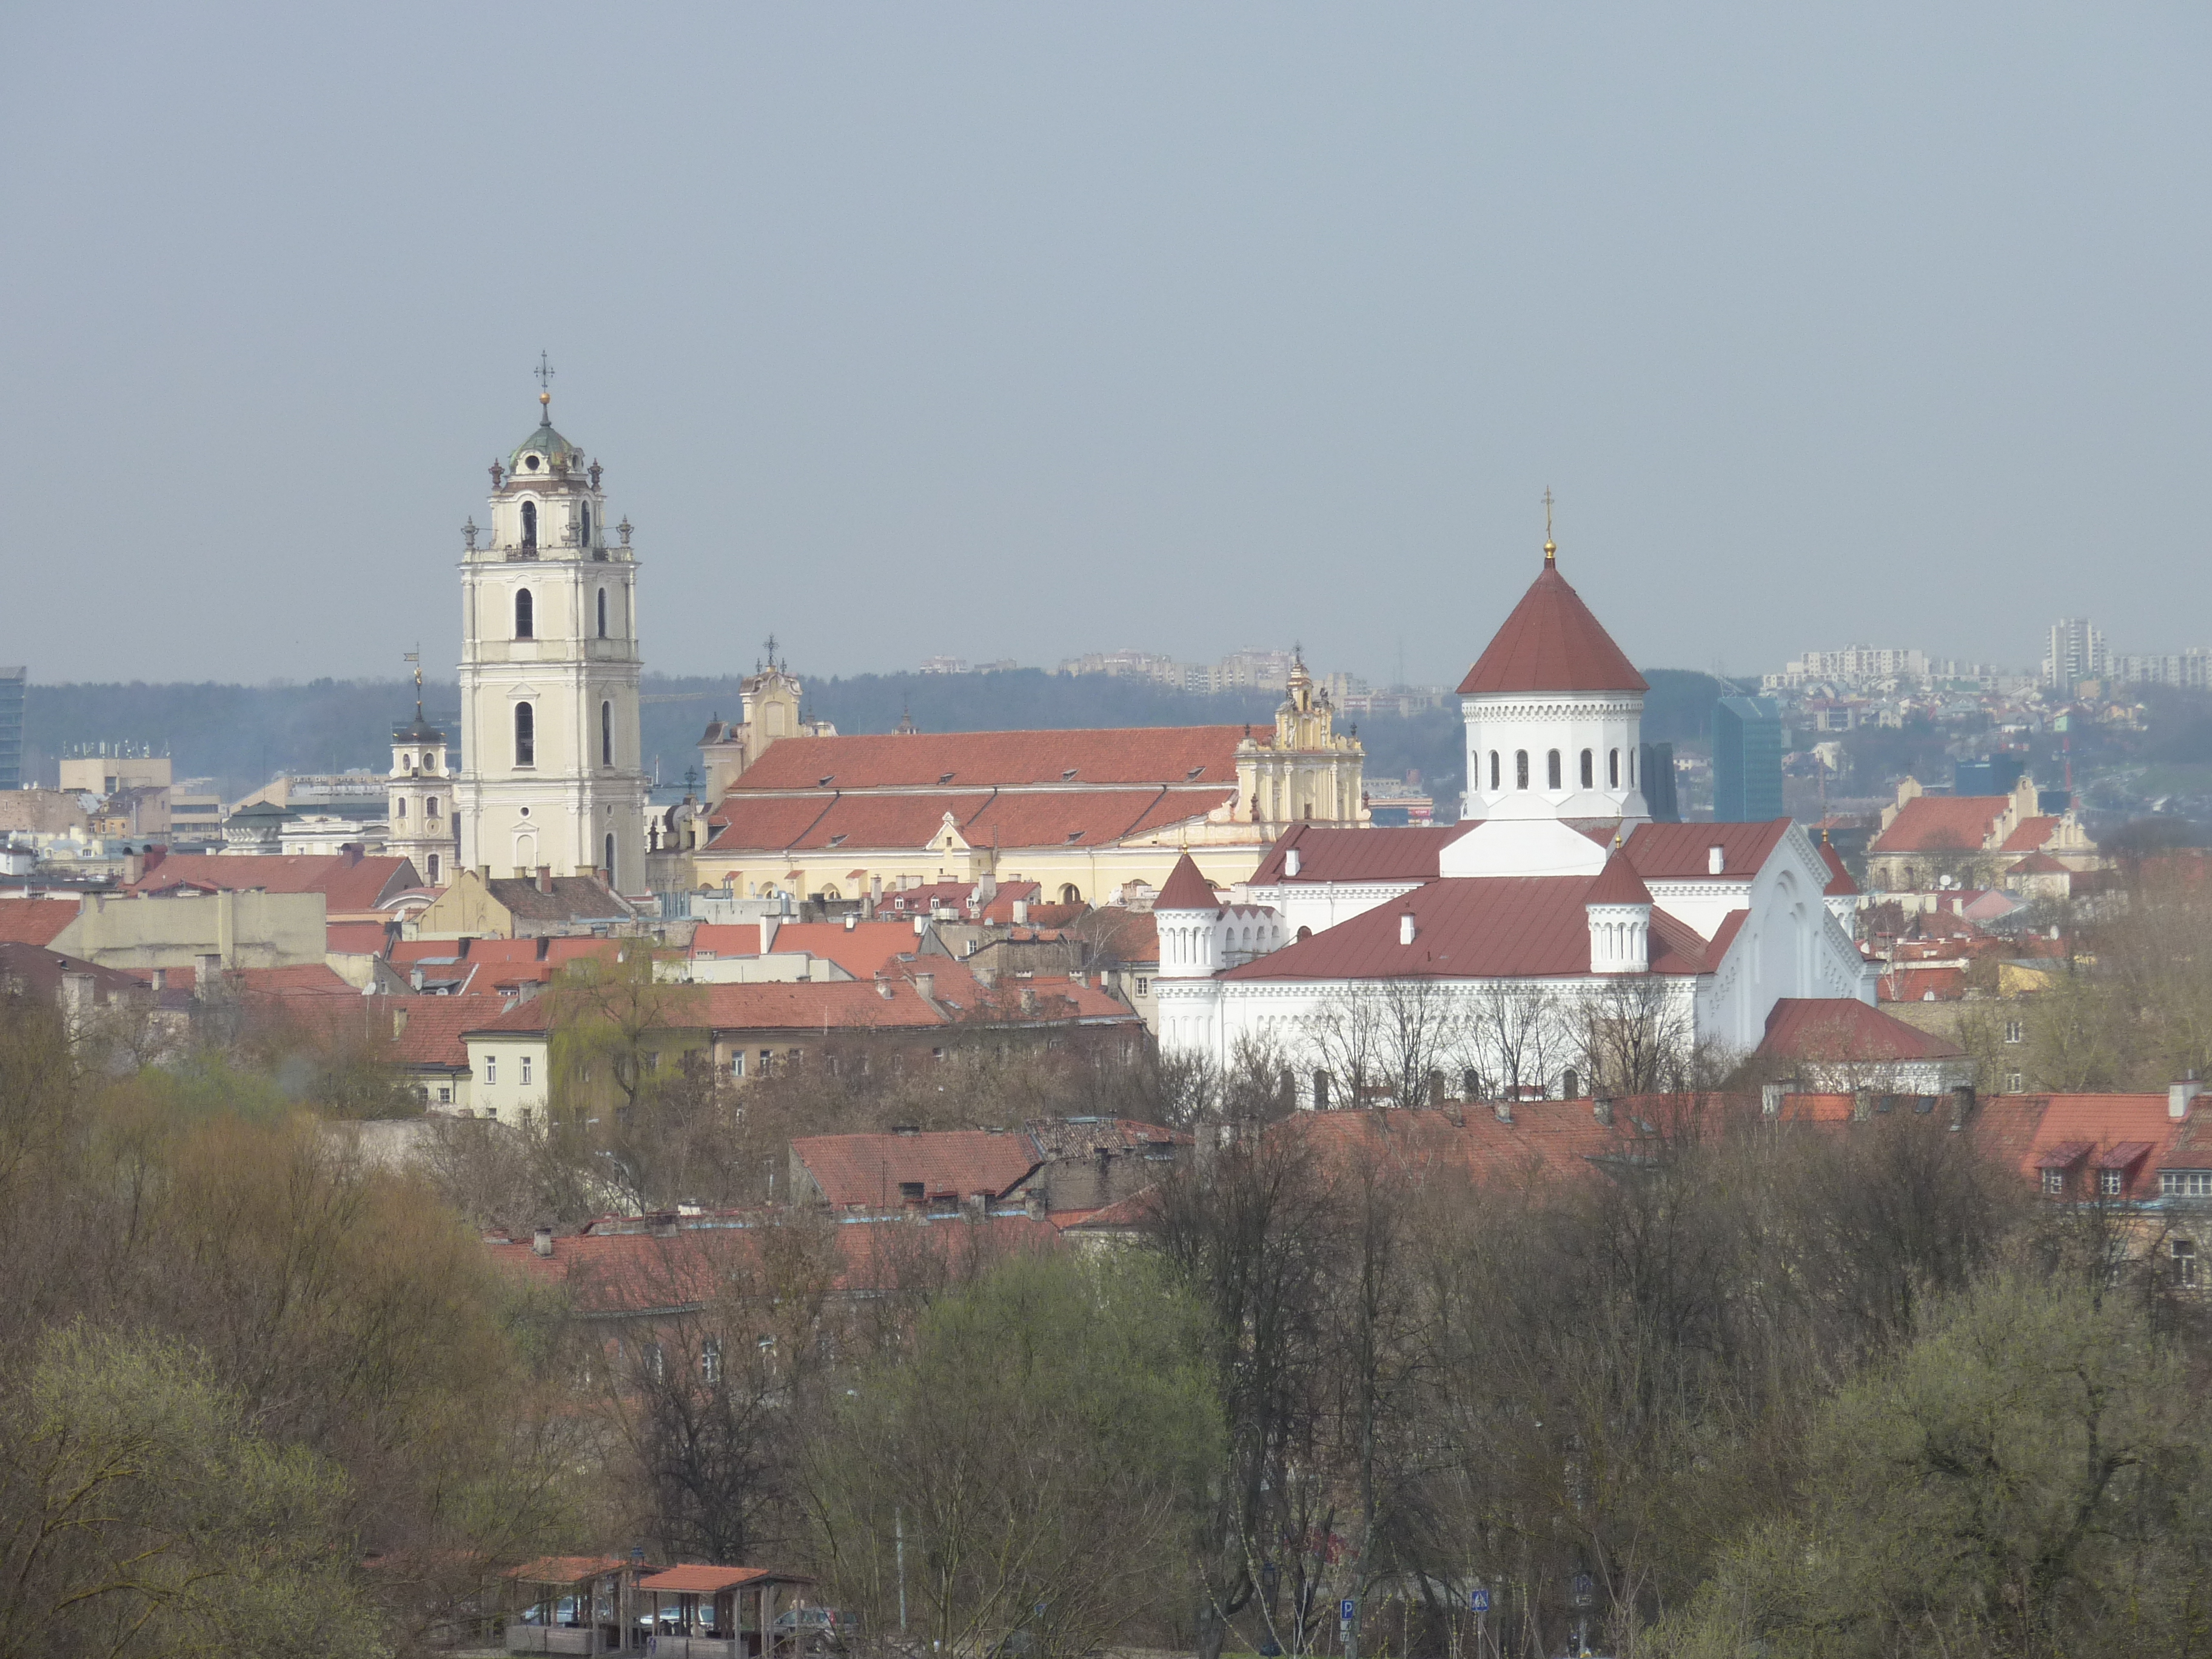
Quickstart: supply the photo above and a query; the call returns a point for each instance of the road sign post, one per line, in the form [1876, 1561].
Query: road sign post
[1347, 1612]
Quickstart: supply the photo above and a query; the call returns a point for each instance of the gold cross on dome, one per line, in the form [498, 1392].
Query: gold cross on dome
[544, 373]
[1551, 549]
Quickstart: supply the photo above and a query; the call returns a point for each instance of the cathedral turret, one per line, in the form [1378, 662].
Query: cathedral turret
[553, 774]
[1187, 917]
[419, 805]
[1553, 712]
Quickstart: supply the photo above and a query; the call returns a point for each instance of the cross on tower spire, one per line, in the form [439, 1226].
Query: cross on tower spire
[544, 373]
[1551, 550]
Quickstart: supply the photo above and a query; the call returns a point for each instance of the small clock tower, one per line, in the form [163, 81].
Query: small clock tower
[552, 776]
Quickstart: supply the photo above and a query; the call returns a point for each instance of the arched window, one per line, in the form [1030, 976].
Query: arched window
[530, 524]
[1070, 895]
[1589, 776]
[399, 807]
[433, 869]
[1520, 769]
[1552, 770]
[1632, 768]
[1571, 1085]
[1493, 771]
[587, 524]
[526, 615]
[610, 866]
[525, 735]
[606, 735]
[603, 613]
[1613, 769]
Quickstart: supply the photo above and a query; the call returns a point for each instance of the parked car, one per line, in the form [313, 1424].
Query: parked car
[816, 1628]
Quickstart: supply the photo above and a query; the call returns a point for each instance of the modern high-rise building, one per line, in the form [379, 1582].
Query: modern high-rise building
[2077, 652]
[1746, 760]
[12, 683]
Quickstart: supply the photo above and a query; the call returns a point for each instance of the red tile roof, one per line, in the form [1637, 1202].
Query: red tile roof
[307, 979]
[566, 1569]
[357, 939]
[1681, 852]
[865, 1172]
[348, 885]
[859, 950]
[1922, 984]
[1142, 754]
[1552, 642]
[1186, 889]
[2030, 833]
[1408, 854]
[1071, 818]
[35, 921]
[1846, 1029]
[1932, 824]
[1481, 927]
[2038, 864]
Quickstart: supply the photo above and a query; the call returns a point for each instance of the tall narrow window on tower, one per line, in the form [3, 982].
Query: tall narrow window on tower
[610, 866]
[1493, 771]
[606, 735]
[1520, 769]
[587, 524]
[525, 735]
[526, 616]
[603, 613]
[530, 524]
[1613, 769]
[1588, 775]
[1552, 770]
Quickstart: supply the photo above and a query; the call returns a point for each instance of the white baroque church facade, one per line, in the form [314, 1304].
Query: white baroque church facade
[552, 776]
[1555, 906]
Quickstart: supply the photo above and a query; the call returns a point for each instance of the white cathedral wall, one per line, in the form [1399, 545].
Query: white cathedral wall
[1790, 945]
[1322, 905]
[1605, 723]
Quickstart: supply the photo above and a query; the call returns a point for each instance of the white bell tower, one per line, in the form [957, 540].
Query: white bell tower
[551, 772]
[419, 795]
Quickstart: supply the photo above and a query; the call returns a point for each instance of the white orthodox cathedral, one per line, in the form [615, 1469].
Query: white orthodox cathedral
[552, 777]
[1554, 896]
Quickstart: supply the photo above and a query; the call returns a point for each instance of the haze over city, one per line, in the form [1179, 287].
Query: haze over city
[1007, 332]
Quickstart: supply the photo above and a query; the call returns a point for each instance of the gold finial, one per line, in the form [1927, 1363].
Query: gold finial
[1551, 549]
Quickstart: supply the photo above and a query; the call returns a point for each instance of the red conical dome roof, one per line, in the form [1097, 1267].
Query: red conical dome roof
[1618, 883]
[1187, 889]
[1552, 643]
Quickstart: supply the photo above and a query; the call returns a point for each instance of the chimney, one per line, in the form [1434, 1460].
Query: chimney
[76, 998]
[1962, 1104]
[2179, 1095]
[1406, 928]
[1602, 1109]
[207, 974]
[160, 978]
[134, 868]
[415, 977]
[1021, 913]
[399, 1024]
[1290, 862]
[352, 851]
[1862, 1105]
[541, 1242]
[767, 926]
[1771, 1096]
[1503, 1109]
[927, 984]
[545, 877]
[851, 922]
[1716, 861]
[882, 986]
[876, 888]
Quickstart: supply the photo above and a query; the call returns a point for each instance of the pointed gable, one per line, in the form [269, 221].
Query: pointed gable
[1187, 889]
[1552, 643]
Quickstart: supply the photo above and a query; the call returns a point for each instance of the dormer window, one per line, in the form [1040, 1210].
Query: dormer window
[526, 616]
[530, 517]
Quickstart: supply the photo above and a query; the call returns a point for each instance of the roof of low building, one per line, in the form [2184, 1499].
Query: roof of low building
[569, 898]
[1937, 824]
[701, 1580]
[866, 1171]
[1837, 1029]
[350, 883]
[36, 920]
[1552, 642]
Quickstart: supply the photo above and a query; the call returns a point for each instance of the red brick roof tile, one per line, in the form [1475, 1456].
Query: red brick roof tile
[35, 921]
[1846, 1029]
[1143, 754]
[348, 885]
[865, 1172]
[1931, 823]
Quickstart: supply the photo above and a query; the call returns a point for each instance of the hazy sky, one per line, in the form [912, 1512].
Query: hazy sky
[1032, 329]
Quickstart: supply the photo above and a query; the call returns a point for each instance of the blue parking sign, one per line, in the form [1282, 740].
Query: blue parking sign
[1478, 1601]
[1344, 1611]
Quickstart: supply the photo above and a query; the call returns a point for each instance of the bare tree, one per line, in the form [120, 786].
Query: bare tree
[1633, 1034]
[1515, 1027]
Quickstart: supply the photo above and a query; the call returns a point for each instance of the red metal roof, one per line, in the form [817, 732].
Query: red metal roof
[2065, 1154]
[1618, 883]
[566, 1569]
[1177, 755]
[1840, 883]
[1186, 889]
[1681, 852]
[1407, 854]
[1482, 927]
[707, 1581]
[1552, 643]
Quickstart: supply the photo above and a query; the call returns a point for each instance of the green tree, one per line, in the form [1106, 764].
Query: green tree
[144, 1515]
[2028, 1478]
[1040, 1450]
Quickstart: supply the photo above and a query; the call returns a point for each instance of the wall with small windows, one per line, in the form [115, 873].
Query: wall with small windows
[508, 1077]
[1567, 755]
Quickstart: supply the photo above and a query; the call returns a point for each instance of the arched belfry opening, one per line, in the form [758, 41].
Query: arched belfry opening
[530, 524]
